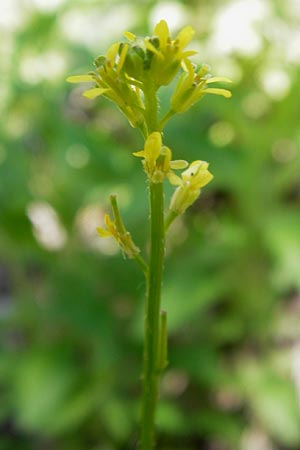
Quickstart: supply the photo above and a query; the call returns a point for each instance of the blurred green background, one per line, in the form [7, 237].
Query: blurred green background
[71, 308]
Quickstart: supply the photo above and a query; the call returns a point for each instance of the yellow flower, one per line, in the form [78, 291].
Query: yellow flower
[112, 82]
[115, 228]
[169, 53]
[192, 86]
[157, 160]
[189, 186]
[162, 55]
[130, 73]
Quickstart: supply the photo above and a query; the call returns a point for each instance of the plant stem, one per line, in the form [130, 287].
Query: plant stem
[142, 264]
[169, 219]
[152, 316]
[165, 119]
[151, 105]
[151, 372]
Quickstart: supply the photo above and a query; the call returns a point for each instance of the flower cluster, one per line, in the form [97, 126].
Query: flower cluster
[158, 165]
[127, 70]
[189, 186]
[193, 85]
[130, 74]
[157, 160]
[116, 229]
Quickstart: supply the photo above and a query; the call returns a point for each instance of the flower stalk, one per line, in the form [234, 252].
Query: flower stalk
[151, 373]
[130, 75]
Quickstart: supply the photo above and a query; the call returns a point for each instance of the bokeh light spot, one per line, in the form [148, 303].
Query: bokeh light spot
[77, 156]
[174, 12]
[255, 105]
[284, 150]
[235, 27]
[221, 133]
[47, 66]
[47, 5]
[276, 83]
[47, 228]
[88, 218]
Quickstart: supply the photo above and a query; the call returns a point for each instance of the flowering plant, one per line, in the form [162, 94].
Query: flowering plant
[130, 75]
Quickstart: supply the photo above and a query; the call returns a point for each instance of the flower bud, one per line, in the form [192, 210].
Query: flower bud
[192, 180]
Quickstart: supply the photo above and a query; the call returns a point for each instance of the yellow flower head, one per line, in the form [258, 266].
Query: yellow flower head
[133, 71]
[112, 82]
[167, 54]
[157, 159]
[192, 86]
[189, 186]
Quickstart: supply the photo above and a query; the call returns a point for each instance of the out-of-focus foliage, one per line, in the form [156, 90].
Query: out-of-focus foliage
[70, 306]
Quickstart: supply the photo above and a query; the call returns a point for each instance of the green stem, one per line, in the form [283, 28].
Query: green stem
[169, 219]
[142, 263]
[122, 230]
[152, 317]
[151, 106]
[165, 119]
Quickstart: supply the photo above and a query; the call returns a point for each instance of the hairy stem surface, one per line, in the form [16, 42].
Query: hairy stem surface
[152, 316]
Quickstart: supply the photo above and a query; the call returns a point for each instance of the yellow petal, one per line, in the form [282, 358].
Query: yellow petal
[175, 180]
[113, 51]
[103, 233]
[194, 169]
[108, 222]
[122, 57]
[80, 78]
[93, 93]
[161, 30]
[151, 47]
[130, 36]
[188, 67]
[178, 164]
[166, 152]
[203, 179]
[185, 36]
[140, 154]
[224, 92]
[218, 80]
[188, 53]
[198, 165]
[153, 146]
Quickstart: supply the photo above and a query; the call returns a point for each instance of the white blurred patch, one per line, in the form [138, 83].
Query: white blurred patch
[12, 14]
[293, 47]
[88, 218]
[47, 5]
[46, 66]
[173, 12]
[293, 8]
[256, 439]
[47, 228]
[235, 27]
[228, 67]
[276, 83]
[96, 28]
